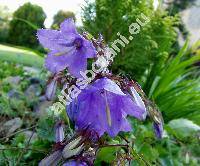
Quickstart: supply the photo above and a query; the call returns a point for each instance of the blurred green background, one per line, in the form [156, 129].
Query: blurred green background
[162, 58]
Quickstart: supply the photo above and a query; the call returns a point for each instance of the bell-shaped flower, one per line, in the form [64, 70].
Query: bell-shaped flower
[103, 107]
[68, 49]
[157, 119]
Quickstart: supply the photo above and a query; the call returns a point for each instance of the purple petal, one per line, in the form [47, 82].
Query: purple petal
[72, 110]
[77, 65]
[55, 40]
[74, 163]
[138, 99]
[68, 26]
[56, 64]
[132, 109]
[89, 49]
[108, 85]
[92, 112]
[88, 117]
[50, 39]
[125, 126]
[116, 115]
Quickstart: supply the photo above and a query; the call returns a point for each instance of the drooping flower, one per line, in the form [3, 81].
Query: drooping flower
[68, 49]
[151, 109]
[156, 116]
[104, 108]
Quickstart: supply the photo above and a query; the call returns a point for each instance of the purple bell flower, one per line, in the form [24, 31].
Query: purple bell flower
[103, 107]
[68, 49]
[156, 116]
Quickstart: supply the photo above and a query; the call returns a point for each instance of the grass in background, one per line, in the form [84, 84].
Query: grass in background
[21, 56]
[176, 90]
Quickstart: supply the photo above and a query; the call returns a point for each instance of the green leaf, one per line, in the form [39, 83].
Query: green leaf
[183, 127]
[177, 91]
[45, 129]
[106, 154]
[150, 153]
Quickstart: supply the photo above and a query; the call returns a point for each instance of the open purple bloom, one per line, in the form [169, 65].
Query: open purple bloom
[68, 49]
[103, 107]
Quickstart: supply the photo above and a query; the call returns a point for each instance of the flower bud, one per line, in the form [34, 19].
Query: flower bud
[51, 90]
[71, 150]
[158, 129]
[59, 132]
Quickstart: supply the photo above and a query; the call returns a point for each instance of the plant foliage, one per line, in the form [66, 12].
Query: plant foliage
[176, 89]
[149, 47]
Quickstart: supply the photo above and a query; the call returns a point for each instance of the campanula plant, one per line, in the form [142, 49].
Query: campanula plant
[100, 110]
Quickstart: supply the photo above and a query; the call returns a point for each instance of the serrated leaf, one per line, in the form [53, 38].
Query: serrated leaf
[106, 154]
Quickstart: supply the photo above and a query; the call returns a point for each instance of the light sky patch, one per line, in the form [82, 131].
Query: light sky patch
[50, 7]
[155, 4]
